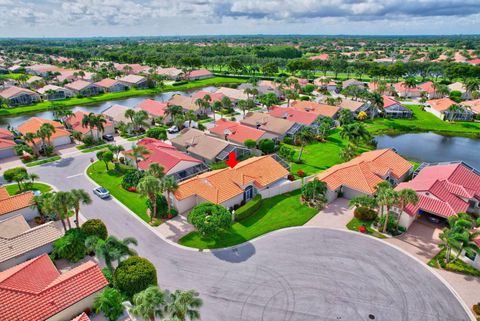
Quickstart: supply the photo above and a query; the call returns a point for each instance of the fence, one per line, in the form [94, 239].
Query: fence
[283, 188]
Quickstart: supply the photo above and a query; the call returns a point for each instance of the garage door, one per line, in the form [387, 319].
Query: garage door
[4, 153]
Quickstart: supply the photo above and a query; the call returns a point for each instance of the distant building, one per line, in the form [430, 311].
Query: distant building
[111, 85]
[52, 92]
[17, 96]
[83, 88]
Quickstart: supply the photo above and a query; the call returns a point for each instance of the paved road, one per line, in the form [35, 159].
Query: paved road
[299, 274]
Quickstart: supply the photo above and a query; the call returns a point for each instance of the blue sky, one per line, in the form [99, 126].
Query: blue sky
[79, 18]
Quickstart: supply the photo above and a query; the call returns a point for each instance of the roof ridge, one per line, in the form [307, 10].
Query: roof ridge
[83, 268]
[23, 265]
[31, 230]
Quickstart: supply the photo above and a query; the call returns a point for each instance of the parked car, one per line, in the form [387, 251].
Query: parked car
[173, 130]
[108, 138]
[101, 192]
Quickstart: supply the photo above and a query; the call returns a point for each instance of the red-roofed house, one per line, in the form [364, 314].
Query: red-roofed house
[298, 116]
[317, 108]
[200, 74]
[83, 88]
[7, 145]
[441, 109]
[17, 96]
[214, 96]
[134, 81]
[407, 92]
[475, 61]
[61, 136]
[19, 204]
[111, 85]
[36, 290]
[236, 132]
[74, 123]
[132, 68]
[320, 57]
[443, 190]
[393, 109]
[174, 162]
[153, 107]
[429, 88]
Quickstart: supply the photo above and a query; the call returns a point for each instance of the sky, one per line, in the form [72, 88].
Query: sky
[111, 18]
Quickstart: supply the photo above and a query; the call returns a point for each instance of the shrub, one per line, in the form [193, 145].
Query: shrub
[250, 143]
[71, 246]
[95, 227]
[288, 140]
[88, 141]
[131, 178]
[286, 152]
[304, 98]
[161, 206]
[172, 213]
[11, 173]
[476, 308]
[364, 214]
[157, 133]
[249, 209]
[107, 273]
[179, 83]
[209, 219]
[133, 275]
[267, 146]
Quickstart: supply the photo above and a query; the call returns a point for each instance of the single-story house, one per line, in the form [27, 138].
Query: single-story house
[83, 88]
[329, 86]
[170, 73]
[20, 243]
[36, 290]
[393, 109]
[236, 132]
[154, 108]
[42, 69]
[429, 88]
[207, 148]
[200, 74]
[266, 87]
[230, 187]
[74, 123]
[353, 82]
[61, 136]
[440, 108]
[32, 80]
[20, 204]
[52, 92]
[213, 96]
[315, 108]
[443, 190]
[175, 163]
[111, 85]
[307, 118]
[70, 75]
[134, 81]
[186, 102]
[458, 86]
[275, 128]
[7, 144]
[473, 105]
[405, 92]
[362, 174]
[116, 113]
[357, 106]
[17, 96]
[232, 93]
[132, 68]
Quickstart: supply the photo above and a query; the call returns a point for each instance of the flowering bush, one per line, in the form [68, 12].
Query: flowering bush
[300, 173]
[132, 189]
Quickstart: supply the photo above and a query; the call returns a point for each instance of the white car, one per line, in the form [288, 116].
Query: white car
[173, 130]
[101, 192]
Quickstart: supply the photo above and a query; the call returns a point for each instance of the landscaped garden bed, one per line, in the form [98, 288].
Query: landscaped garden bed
[458, 266]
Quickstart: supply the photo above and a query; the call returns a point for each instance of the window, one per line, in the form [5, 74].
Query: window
[471, 256]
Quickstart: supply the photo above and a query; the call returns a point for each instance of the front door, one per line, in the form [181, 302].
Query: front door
[248, 194]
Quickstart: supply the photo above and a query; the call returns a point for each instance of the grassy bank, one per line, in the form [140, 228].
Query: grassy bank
[13, 189]
[46, 105]
[275, 213]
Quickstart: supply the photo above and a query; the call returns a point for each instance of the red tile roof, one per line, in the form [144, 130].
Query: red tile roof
[6, 134]
[76, 122]
[389, 101]
[153, 107]
[401, 88]
[33, 124]
[200, 73]
[35, 290]
[474, 61]
[320, 57]
[13, 203]
[442, 104]
[442, 189]
[78, 85]
[427, 87]
[163, 154]
[6, 143]
[214, 96]
[10, 92]
[81, 317]
[320, 109]
[295, 115]
[106, 83]
[238, 133]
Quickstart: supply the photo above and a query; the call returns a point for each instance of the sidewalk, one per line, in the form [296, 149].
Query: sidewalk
[335, 215]
[175, 228]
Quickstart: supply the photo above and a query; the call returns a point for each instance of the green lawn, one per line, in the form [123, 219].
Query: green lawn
[438, 262]
[12, 76]
[423, 122]
[43, 161]
[46, 105]
[355, 223]
[275, 213]
[12, 189]
[112, 181]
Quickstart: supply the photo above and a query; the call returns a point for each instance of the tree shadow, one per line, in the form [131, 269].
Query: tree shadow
[237, 254]
[64, 162]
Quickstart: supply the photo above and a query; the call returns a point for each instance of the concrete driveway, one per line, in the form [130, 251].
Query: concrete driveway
[335, 215]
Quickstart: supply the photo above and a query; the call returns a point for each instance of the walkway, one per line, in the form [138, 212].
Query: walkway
[335, 215]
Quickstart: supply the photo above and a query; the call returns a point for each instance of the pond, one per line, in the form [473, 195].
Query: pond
[97, 107]
[431, 147]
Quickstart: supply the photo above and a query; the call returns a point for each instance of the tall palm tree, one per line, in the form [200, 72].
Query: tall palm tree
[140, 120]
[47, 130]
[156, 170]
[130, 113]
[452, 111]
[169, 185]
[355, 133]
[406, 196]
[184, 305]
[113, 249]
[61, 202]
[173, 111]
[387, 197]
[150, 187]
[471, 85]
[216, 107]
[409, 83]
[190, 116]
[458, 236]
[303, 137]
[138, 152]
[149, 303]
[110, 302]
[377, 102]
[78, 197]
[242, 104]
[31, 138]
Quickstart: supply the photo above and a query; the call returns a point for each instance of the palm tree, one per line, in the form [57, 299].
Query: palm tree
[149, 303]
[110, 302]
[363, 201]
[216, 106]
[290, 95]
[409, 83]
[452, 110]
[60, 205]
[303, 137]
[156, 171]
[355, 133]
[471, 85]
[79, 196]
[47, 130]
[138, 152]
[116, 150]
[406, 196]
[113, 249]
[377, 102]
[173, 111]
[190, 116]
[348, 152]
[184, 305]
[170, 185]
[242, 104]
[129, 113]
[31, 138]
[150, 187]
[458, 236]
[140, 120]
[386, 197]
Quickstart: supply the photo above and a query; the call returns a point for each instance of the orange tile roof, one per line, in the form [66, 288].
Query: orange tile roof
[223, 184]
[78, 85]
[442, 104]
[311, 106]
[238, 133]
[6, 143]
[13, 203]
[10, 92]
[474, 105]
[364, 172]
[35, 290]
[81, 317]
[76, 122]
[33, 125]
[106, 83]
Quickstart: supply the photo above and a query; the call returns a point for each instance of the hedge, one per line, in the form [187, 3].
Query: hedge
[133, 275]
[95, 227]
[364, 214]
[249, 209]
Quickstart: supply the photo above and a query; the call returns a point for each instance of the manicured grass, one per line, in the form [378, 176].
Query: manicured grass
[438, 262]
[423, 122]
[112, 181]
[275, 213]
[355, 223]
[13, 189]
[132, 139]
[43, 161]
[46, 105]
[12, 76]
[95, 148]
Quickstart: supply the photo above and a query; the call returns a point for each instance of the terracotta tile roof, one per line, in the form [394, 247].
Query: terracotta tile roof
[13, 203]
[232, 93]
[267, 123]
[106, 83]
[78, 85]
[221, 185]
[401, 88]
[474, 105]
[185, 102]
[215, 96]
[136, 68]
[12, 91]
[153, 107]
[201, 73]
[34, 123]
[6, 143]
[81, 317]
[163, 154]
[365, 171]
[319, 57]
[317, 108]
[237, 132]
[35, 290]
[116, 113]
[351, 105]
[132, 79]
[443, 189]
[6, 134]
[442, 104]
[17, 238]
[76, 122]
[427, 87]
[389, 101]
[171, 72]
[296, 115]
[199, 143]
[475, 61]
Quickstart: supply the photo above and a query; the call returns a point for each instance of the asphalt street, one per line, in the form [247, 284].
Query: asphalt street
[300, 274]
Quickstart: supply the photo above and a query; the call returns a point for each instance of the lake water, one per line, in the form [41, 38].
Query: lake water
[430, 147]
[97, 107]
